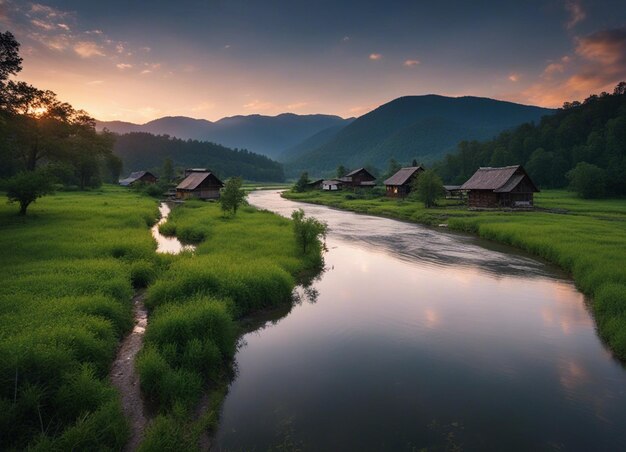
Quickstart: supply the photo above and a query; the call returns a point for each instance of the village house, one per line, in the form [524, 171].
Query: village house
[399, 185]
[509, 186]
[331, 185]
[139, 176]
[315, 184]
[358, 178]
[199, 183]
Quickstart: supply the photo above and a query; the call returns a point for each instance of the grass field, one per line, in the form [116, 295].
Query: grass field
[242, 264]
[67, 280]
[587, 238]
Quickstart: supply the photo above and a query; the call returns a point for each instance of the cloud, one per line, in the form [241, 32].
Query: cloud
[258, 105]
[345, 38]
[123, 66]
[88, 49]
[64, 27]
[146, 71]
[599, 64]
[297, 105]
[95, 82]
[411, 63]
[514, 77]
[576, 13]
[41, 24]
[203, 106]
[375, 56]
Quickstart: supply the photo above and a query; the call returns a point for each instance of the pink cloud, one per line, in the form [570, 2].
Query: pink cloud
[375, 56]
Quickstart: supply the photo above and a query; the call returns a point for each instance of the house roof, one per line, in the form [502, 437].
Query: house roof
[499, 180]
[192, 181]
[332, 182]
[403, 175]
[452, 187]
[133, 177]
[315, 182]
[352, 173]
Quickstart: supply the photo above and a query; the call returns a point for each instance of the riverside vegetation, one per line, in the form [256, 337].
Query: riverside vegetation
[587, 238]
[69, 270]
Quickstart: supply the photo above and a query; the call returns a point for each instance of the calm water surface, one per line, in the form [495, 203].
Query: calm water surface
[416, 338]
[169, 245]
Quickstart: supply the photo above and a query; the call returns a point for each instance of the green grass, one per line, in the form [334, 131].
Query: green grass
[242, 264]
[587, 238]
[68, 270]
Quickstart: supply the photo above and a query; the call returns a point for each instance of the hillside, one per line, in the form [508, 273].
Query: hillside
[314, 141]
[268, 135]
[140, 151]
[420, 127]
[593, 132]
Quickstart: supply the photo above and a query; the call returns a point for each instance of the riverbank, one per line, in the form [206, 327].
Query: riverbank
[586, 238]
[242, 264]
[69, 268]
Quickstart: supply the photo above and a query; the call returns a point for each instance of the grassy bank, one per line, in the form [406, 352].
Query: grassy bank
[242, 264]
[586, 238]
[68, 269]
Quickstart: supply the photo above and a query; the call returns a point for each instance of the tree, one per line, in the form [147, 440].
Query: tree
[232, 195]
[587, 180]
[414, 163]
[308, 231]
[167, 172]
[301, 183]
[10, 60]
[393, 168]
[341, 171]
[26, 187]
[428, 187]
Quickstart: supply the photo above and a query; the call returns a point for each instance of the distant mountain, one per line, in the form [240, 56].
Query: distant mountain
[144, 151]
[314, 141]
[268, 135]
[420, 127]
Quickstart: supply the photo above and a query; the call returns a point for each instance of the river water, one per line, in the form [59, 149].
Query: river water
[419, 338]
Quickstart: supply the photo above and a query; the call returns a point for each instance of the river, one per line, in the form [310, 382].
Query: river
[419, 338]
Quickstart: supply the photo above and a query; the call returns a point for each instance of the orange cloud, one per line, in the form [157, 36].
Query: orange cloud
[411, 63]
[514, 77]
[124, 66]
[375, 56]
[88, 49]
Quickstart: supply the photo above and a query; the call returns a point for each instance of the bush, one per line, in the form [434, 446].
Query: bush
[142, 273]
[587, 180]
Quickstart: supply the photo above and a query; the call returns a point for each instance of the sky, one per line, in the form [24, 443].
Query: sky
[137, 61]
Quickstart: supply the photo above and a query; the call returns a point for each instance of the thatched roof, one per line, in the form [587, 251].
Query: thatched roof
[501, 180]
[194, 179]
[403, 175]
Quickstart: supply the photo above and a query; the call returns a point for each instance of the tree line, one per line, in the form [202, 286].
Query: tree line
[582, 144]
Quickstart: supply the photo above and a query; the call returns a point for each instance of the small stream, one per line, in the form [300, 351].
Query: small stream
[419, 338]
[170, 245]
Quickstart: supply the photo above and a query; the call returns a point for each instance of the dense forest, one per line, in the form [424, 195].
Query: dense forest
[141, 151]
[590, 135]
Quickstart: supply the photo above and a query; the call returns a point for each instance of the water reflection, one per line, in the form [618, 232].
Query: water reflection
[443, 344]
[170, 245]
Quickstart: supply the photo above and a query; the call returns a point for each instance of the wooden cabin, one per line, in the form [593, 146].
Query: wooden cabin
[137, 177]
[399, 185]
[358, 178]
[315, 184]
[453, 191]
[509, 186]
[199, 183]
[331, 185]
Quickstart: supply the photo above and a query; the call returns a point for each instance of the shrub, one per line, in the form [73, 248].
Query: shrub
[142, 273]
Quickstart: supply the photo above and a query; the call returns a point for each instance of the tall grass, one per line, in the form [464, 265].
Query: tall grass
[587, 238]
[242, 264]
[67, 273]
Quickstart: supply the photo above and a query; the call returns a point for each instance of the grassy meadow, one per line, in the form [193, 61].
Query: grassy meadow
[68, 269]
[587, 238]
[241, 265]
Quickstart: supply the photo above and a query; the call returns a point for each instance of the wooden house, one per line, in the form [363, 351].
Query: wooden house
[315, 184]
[399, 185]
[137, 177]
[331, 185]
[509, 186]
[358, 178]
[453, 191]
[199, 183]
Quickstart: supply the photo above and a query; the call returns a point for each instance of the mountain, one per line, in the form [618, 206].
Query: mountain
[144, 151]
[268, 135]
[420, 127]
[590, 134]
[314, 141]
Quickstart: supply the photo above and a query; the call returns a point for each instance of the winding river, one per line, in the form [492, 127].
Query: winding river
[419, 338]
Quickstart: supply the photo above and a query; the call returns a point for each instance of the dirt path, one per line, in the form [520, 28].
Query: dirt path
[125, 378]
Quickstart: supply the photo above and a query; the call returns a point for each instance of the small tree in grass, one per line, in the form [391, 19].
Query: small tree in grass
[427, 188]
[301, 183]
[27, 186]
[232, 195]
[309, 231]
[587, 180]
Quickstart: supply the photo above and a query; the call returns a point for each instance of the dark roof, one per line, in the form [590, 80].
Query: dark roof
[315, 182]
[194, 179]
[332, 182]
[352, 173]
[499, 180]
[134, 176]
[403, 175]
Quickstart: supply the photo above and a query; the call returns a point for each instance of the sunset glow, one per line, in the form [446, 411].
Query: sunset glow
[122, 61]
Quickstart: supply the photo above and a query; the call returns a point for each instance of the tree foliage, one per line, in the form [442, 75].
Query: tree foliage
[301, 183]
[309, 231]
[428, 187]
[232, 195]
[587, 180]
[27, 186]
[593, 132]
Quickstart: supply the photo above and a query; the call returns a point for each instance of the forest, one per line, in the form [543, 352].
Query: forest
[588, 136]
[141, 151]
